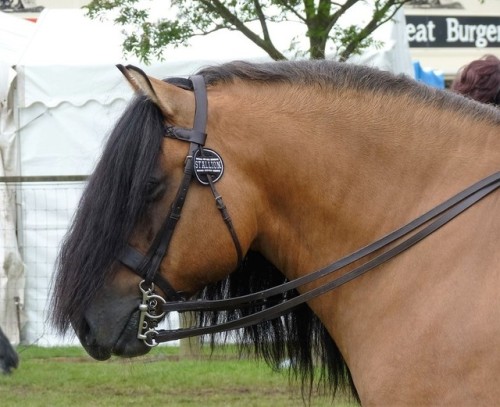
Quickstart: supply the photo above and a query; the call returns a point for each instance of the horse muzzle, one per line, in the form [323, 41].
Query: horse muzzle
[109, 327]
[101, 343]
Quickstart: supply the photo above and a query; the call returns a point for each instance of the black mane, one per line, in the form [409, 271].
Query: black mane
[323, 74]
[103, 221]
[298, 339]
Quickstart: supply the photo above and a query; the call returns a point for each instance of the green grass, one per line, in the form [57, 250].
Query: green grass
[68, 377]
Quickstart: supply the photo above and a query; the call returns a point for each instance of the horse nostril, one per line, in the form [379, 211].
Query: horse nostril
[86, 334]
[82, 330]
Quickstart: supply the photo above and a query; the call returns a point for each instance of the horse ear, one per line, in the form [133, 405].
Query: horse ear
[161, 93]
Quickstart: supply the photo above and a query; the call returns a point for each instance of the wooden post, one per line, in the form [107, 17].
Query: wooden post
[190, 348]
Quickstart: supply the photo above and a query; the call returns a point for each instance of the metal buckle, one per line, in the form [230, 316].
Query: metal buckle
[148, 316]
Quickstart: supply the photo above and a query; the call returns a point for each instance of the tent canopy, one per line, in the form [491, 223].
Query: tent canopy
[71, 58]
[15, 34]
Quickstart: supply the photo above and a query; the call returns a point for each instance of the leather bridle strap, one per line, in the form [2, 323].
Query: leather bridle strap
[262, 297]
[225, 216]
[442, 214]
[146, 266]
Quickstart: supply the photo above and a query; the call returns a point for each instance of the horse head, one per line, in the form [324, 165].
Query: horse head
[140, 212]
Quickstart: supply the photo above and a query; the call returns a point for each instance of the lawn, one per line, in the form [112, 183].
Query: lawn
[68, 377]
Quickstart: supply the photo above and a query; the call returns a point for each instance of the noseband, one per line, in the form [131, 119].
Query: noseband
[206, 166]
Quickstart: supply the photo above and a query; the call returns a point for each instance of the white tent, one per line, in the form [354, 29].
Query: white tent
[68, 70]
[69, 94]
[14, 36]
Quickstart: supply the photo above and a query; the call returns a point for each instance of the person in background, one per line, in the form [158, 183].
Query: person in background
[479, 80]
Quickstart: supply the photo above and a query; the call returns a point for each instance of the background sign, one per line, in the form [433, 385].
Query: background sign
[445, 35]
[456, 31]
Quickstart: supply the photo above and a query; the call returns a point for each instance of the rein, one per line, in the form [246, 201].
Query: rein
[154, 307]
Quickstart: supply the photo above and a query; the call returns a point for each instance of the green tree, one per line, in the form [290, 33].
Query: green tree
[201, 17]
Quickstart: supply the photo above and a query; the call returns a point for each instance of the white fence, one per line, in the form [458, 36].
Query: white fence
[35, 213]
[43, 207]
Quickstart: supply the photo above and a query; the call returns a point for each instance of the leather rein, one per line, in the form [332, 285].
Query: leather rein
[207, 166]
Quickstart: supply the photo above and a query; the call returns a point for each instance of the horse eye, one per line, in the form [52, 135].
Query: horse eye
[155, 189]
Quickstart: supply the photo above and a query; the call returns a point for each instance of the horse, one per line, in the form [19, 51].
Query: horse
[9, 360]
[364, 200]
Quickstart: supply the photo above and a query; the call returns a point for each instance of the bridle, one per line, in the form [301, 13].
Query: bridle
[154, 307]
[207, 166]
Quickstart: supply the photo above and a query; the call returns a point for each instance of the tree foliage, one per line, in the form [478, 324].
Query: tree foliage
[188, 18]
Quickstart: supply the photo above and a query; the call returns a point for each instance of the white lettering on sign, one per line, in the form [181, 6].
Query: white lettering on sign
[481, 34]
[421, 32]
[453, 31]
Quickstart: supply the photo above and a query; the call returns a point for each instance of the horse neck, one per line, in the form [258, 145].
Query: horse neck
[330, 174]
[332, 166]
